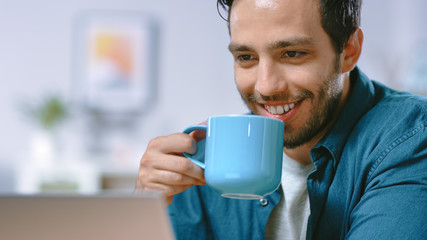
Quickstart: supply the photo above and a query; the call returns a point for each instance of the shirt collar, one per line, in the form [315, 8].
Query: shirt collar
[360, 100]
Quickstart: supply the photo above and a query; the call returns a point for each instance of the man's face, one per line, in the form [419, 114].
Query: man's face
[285, 65]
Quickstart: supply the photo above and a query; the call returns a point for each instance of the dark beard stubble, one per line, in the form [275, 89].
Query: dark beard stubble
[329, 97]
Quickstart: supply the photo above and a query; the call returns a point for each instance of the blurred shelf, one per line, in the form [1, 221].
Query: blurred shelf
[118, 179]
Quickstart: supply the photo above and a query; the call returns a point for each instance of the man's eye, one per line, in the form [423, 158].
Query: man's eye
[293, 54]
[245, 57]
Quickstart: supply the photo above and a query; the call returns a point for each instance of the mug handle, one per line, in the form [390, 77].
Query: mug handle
[199, 157]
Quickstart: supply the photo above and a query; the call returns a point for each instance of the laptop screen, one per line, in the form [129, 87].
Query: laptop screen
[141, 216]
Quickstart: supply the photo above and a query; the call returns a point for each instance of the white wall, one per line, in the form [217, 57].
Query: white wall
[195, 78]
[195, 75]
[395, 33]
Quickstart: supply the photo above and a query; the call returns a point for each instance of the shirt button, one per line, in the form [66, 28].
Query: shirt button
[264, 202]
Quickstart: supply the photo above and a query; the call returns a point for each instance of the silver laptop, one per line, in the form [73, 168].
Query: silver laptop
[117, 217]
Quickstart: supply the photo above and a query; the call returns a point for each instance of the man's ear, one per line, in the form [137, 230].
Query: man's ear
[351, 53]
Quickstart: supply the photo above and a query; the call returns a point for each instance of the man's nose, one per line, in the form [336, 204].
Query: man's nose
[270, 79]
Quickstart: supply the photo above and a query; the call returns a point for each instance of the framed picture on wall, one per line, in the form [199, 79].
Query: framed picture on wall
[115, 61]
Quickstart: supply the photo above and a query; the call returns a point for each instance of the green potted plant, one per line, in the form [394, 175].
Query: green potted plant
[47, 115]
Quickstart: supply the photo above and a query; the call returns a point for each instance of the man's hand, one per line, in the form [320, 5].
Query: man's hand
[164, 168]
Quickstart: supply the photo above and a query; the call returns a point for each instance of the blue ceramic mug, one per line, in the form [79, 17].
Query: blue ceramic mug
[241, 155]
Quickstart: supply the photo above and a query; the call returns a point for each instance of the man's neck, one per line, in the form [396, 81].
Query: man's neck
[301, 154]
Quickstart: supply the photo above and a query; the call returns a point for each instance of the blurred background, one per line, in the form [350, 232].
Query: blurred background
[85, 84]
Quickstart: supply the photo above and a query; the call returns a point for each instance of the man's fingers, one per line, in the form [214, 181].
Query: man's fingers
[198, 135]
[175, 165]
[173, 178]
[181, 143]
[163, 168]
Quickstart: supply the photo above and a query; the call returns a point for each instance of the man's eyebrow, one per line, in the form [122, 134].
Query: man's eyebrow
[302, 41]
[235, 47]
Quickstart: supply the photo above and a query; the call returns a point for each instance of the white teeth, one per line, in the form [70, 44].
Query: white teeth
[273, 110]
[280, 109]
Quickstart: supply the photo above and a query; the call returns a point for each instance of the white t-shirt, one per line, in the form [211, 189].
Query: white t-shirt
[289, 218]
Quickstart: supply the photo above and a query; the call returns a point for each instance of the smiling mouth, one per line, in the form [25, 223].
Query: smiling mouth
[279, 109]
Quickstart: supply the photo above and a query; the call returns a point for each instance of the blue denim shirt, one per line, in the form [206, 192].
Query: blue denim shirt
[369, 181]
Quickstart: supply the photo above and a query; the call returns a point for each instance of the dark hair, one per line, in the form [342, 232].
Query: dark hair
[340, 18]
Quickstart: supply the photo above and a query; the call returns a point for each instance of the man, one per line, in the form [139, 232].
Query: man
[355, 151]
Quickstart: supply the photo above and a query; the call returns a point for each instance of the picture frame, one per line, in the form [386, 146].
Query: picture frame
[115, 61]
